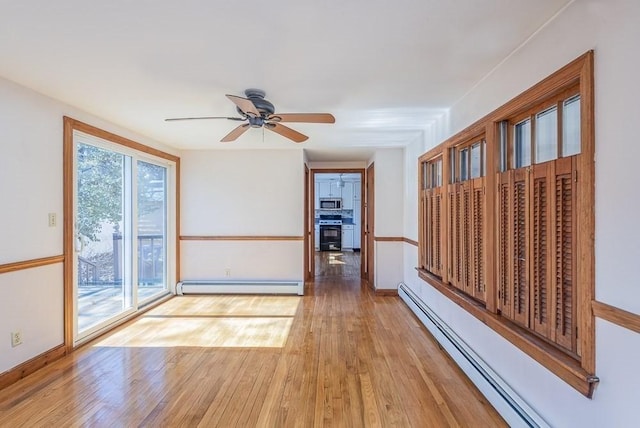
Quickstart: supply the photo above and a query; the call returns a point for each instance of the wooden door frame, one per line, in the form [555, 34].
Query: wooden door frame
[368, 200]
[310, 192]
[308, 236]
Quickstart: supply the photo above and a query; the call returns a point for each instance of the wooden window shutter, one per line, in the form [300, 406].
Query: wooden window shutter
[454, 272]
[466, 233]
[423, 230]
[518, 222]
[564, 254]
[478, 230]
[504, 255]
[433, 208]
[540, 249]
[429, 230]
[437, 235]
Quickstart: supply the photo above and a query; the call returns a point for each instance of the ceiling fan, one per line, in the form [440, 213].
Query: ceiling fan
[258, 113]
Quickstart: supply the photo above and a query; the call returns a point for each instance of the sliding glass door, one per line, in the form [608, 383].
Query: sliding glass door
[151, 230]
[120, 208]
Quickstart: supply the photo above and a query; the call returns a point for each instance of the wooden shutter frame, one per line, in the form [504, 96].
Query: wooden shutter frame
[578, 372]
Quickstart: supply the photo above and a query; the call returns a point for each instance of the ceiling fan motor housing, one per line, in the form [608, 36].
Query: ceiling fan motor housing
[257, 98]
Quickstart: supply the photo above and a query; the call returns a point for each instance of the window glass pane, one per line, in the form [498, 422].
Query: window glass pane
[504, 125]
[464, 164]
[476, 159]
[432, 176]
[547, 135]
[484, 159]
[425, 175]
[522, 144]
[103, 237]
[571, 126]
[152, 212]
[452, 164]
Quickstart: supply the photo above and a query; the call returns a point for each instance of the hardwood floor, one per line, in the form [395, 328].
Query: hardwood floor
[338, 356]
[338, 263]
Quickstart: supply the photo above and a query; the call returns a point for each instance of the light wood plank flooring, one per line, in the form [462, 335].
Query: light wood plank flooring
[338, 263]
[339, 356]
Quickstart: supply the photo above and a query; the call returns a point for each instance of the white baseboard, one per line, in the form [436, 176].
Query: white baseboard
[239, 287]
[504, 399]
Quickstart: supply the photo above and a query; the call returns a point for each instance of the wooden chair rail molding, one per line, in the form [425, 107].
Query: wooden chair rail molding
[410, 241]
[241, 238]
[395, 239]
[388, 238]
[29, 264]
[617, 316]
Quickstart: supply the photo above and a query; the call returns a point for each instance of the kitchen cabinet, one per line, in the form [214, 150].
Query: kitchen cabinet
[347, 196]
[317, 237]
[328, 189]
[347, 236]
[357, 221]
[357, 189]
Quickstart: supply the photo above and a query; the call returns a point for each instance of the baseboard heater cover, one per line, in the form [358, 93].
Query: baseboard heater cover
[515, 411]
[239, 287]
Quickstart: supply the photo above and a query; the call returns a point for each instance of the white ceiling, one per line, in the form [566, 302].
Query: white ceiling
[385, 69]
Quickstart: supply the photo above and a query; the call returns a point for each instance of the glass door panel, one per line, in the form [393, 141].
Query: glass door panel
[103, 277]
[151, 230]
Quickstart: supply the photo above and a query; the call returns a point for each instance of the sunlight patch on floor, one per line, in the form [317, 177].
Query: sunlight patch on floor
[334, 259]
[211, 321]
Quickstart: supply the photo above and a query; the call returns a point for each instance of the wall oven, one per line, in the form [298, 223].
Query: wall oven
[330, 232]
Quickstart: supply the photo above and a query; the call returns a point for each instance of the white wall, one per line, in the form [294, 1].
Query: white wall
[611, 28]
[389, 215]
[242, 193]
[31, 143]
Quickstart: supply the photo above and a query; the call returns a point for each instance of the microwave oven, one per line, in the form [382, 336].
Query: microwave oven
[330, 203]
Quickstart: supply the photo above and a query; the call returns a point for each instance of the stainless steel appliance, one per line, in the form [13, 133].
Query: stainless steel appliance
[330, 203]
[330, 232]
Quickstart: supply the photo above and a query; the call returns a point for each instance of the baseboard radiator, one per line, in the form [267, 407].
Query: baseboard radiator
[507, 402]
[239, 287]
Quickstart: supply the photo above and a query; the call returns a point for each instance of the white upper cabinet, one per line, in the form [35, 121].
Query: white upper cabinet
[328, 189]
[347, 196]
[357, 186]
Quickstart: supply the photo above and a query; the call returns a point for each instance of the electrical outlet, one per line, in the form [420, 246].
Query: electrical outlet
[16, 338]
[52, 219]
[227, 272]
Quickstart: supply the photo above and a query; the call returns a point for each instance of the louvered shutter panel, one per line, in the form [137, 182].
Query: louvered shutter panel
[466, 233]
[564, 257]
[519, 269]
[423, 232]
[504, 254]
[540, 266]
[478, 233]
[429, 229]
[433, 230]
[452, 196]
[437, 232]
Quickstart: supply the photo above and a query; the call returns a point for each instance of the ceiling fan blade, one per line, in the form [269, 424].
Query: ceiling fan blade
[173, 119]
[286, 132]
[245, 105]
[235, 133]
[303, 117]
